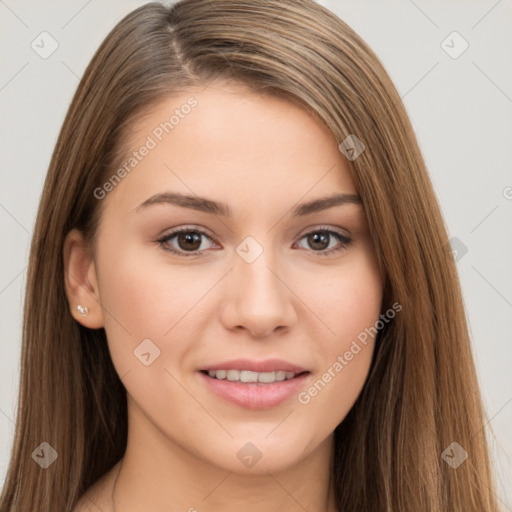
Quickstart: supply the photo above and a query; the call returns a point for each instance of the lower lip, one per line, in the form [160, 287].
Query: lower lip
[254, 395]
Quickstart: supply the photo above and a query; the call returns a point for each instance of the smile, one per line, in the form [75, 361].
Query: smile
[248, 376]
[254, 384]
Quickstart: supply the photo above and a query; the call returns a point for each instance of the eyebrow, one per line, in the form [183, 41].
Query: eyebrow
[203, 204]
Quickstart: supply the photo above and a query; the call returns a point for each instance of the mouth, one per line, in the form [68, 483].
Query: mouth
[254, 385]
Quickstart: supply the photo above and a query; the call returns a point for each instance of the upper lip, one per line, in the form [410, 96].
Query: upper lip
[268, 365]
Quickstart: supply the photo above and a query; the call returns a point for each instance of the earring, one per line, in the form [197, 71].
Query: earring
[83, 310]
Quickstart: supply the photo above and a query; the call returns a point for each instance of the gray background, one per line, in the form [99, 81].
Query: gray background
[461, 109]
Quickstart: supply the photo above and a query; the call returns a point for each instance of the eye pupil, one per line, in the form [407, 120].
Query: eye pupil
[191, 237]
[318, 240]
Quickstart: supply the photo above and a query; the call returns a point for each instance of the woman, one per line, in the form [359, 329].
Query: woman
[240, 292]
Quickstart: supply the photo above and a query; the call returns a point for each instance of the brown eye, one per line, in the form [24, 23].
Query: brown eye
[190, 241]
[185, 242]
[321, 241]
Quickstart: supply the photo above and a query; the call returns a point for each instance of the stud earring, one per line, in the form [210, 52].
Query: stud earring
[83, 310]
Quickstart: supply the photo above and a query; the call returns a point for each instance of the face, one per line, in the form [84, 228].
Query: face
[215, 261]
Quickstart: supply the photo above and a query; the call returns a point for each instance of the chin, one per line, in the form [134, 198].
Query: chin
[259, 455]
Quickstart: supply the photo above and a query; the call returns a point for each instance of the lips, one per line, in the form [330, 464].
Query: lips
[254, 384]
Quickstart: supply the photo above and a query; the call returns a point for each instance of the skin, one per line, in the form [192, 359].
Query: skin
[261, 156]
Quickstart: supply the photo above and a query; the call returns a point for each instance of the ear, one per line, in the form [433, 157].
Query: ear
[81, 281]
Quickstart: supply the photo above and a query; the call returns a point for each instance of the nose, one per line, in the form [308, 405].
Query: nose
[258, 298]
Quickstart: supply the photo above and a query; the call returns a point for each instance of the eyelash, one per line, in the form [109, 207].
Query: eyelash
[345, 241]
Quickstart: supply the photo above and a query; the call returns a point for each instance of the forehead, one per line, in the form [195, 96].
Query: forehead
[223, 140]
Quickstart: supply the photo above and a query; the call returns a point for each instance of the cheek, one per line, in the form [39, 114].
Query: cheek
[349, 305]
[345, 300]
[146, 295]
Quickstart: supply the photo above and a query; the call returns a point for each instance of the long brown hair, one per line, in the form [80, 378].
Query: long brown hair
[421, 394]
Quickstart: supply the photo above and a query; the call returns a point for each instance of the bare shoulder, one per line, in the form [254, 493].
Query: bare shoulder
[98, 497]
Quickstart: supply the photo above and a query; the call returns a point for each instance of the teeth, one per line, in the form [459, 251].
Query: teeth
[248, 376]
[267, 377]
[251, 377]
[233, 375]
[220, 374]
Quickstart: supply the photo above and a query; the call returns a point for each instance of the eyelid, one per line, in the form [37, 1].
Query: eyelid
[320, 227]
[187, 228]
